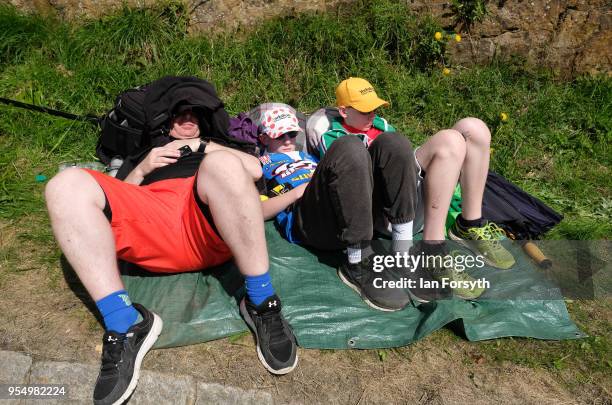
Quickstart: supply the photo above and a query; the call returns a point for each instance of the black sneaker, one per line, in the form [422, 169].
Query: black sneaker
[122, 355]
[375, 287]
[276, 347]
[424, 286]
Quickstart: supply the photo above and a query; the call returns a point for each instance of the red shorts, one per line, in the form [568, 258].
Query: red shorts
[160, 226]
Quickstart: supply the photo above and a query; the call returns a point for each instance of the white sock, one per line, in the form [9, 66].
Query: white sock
[401, 231]
[354, 254]
[401, 235]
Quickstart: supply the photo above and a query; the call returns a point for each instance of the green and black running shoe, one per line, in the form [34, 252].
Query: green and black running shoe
[485, 241]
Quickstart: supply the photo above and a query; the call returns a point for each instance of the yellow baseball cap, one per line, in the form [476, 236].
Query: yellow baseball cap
[358, 93]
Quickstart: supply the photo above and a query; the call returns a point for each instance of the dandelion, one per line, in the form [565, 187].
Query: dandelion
[438, 36]
[503, 116]
[457, 38]
[446, 71]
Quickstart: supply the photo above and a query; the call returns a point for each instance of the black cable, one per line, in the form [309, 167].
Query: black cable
[89, 118]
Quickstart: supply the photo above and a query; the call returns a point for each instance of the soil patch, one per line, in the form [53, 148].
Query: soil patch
[41, 315]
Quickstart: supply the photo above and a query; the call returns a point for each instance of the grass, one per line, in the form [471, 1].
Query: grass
[555, 143]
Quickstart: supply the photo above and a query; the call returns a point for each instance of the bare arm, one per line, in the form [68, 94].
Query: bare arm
[160, 157]
[272, 206]
[168, 154]
[250, 163]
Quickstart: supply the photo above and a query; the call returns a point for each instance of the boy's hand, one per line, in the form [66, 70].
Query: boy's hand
[298, 192]
[272, 206]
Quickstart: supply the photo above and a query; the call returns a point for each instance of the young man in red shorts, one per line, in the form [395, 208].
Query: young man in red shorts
[171, 214]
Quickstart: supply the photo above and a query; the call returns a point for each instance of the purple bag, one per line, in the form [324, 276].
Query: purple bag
[243, 128]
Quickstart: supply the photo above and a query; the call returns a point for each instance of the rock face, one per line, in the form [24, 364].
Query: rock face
[572, 37]
[214, 14]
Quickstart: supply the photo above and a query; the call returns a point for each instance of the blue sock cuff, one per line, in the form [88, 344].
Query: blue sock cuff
[118, 312]
[262, 278]
[114, 302]
[259, 287]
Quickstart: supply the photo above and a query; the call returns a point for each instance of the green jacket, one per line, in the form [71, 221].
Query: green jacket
[337, 130]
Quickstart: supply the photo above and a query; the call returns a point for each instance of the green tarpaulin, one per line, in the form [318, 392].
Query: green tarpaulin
[324, 313]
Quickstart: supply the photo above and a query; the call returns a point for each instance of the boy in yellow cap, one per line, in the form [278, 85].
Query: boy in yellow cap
[357, 104]
[460, 153]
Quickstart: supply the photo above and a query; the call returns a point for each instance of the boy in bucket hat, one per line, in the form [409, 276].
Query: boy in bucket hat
[286, 170]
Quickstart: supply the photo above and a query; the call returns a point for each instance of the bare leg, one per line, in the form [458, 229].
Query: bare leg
[442, 157]
[75, 202]
[475, 166]
[227, 188]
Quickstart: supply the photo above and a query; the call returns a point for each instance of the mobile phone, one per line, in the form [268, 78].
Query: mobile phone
[185, 150]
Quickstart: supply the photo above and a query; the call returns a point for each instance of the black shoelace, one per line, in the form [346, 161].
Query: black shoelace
[274, 326]
[111, 354]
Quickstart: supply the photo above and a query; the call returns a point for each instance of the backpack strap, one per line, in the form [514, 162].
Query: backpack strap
[88, 117]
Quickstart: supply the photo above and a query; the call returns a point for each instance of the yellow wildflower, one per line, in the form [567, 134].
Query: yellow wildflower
[438, 36]
[503, 116]
[446, 71]
[457, 38]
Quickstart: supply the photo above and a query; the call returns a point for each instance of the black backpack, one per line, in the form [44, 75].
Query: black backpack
[123, 130]
[141, 117]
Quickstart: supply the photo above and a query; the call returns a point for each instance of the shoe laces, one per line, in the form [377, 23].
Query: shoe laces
[489, 232]
[274, 326]
[112, 352]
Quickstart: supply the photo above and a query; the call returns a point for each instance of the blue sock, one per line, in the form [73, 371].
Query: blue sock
[259, 287]
[118, 312]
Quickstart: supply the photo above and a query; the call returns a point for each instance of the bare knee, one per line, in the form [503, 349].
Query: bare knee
[73, 186]
[474, 130]
[451, 145]
[63, 183]
[225, 170]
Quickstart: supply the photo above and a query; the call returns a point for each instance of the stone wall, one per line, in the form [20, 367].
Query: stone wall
[572, 37]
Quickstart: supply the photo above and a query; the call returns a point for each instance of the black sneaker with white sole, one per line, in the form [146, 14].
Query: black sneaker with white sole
[276, 347]
[380, 290]
[425, 287]
[122, 356]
